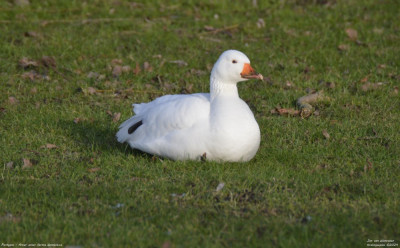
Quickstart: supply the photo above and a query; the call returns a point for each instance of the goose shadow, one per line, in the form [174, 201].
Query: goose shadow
[98, 135]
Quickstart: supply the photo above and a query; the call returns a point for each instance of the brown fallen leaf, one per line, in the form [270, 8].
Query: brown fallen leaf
[343, 47]
[27, 163]
[367, 166]
[137, 69]
[329, 85]
[288, 85]
[49, 146]
[89, 91]
[32, 34]
[109, 113]
[33, 90]
[21, 3]
[126, 68]
[396, 90]
[49, 61]
[26, 63]
[77, 120]
[371, 86]
[352, 34]
[93, 75]
[10, 165]
[286, 112]
[117, 70]
[12, 100]
[93, 169]
[179, 62]
[31, 75]
[364, 79]
[116, 117]
[382, 66]
[326, 134]
[209, 28]
[115, 62]
[260, 23]
[147, 67]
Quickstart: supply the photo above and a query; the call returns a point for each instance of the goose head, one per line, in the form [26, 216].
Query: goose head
[232, 67]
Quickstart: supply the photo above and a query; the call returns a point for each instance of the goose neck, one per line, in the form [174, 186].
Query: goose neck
[220, 88]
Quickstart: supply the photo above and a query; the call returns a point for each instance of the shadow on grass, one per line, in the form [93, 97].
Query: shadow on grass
[95, 135]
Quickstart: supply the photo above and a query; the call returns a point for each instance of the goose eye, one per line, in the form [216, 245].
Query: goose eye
[234, 61]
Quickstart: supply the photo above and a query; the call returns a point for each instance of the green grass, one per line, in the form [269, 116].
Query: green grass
[301, 189]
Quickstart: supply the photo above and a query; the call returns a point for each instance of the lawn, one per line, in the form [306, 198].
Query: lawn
[70, 71]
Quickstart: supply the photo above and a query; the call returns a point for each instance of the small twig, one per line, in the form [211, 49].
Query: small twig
[217, 30]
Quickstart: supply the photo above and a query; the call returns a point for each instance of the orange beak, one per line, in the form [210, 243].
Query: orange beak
[249, 73]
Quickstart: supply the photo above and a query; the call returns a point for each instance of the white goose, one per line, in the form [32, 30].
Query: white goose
[216, 125]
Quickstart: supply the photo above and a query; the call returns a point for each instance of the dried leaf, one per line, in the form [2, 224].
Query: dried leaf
[33, 90]
[116, 117]
[31, 75]
[352, 34]
[287, 112]
[77, 120]
[109, 113]
[27, 163]
[126, 68]
[364, 80]
[25, 63]
[396, 90]
[220, 187]
[368, 166]
[12, 100]
[179, 62]
[93, 75]
[32, 34]
[89, 91]
[382, 66]
[288, 85]
[137, 69]
[117, 70]
[147, 67]
[10, 165]
[371, 86]
[260, 23]
[343, 47]
[209, 28]
[49, 61]
[49, 146]
[115, 62]
[93, 169]
[330, 85]
[326, 134]
[188, 89]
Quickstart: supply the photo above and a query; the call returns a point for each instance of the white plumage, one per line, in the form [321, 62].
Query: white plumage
[218, 124]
